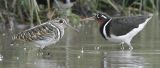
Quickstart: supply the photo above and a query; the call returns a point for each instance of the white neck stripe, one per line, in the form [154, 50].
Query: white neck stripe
[104, 16]
[104, 29]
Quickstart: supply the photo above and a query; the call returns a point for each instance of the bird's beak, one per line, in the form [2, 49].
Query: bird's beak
[72, 27]
[68, 24]
[88, 19]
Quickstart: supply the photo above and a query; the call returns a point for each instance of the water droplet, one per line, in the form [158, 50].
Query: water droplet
[11, 44]
[17, 58]
[25, 49]
[1, 57]
[3, 34]
[96, 48]
[78, 57]
[79, 26]
[82, 51]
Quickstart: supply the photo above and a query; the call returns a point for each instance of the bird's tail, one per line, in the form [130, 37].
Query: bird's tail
[147, 14]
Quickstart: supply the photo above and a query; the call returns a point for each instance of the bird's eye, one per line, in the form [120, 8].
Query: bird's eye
[101, 16]
[98, 15]
[61, 21]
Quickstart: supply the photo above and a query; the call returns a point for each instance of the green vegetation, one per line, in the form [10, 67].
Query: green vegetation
[28, 11]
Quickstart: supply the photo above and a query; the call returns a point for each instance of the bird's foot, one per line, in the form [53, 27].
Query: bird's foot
[40, 51]
[122, 47]
[130, 48]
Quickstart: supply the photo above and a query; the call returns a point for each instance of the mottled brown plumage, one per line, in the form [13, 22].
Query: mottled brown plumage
[45, 34]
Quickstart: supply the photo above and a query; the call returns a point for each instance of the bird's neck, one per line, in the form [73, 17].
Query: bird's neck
[105, 28]
[102, 22]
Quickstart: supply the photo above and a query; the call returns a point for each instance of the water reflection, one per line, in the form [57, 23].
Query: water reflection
[75, 58]
[122, 59]
[84, 50]
[46, 63]
[1, 57]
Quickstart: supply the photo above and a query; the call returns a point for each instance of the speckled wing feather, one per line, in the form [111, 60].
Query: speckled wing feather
[121, 26]
[39, 32]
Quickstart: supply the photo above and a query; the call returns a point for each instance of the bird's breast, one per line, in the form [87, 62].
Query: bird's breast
[105, 29]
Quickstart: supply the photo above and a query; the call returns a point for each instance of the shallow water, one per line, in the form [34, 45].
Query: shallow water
[85, 49]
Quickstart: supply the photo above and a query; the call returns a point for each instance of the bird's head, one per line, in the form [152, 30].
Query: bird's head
[101, 18]
[64, 23]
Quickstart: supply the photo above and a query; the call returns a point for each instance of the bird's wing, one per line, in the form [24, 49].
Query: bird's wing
[39, 32]
[121, 26]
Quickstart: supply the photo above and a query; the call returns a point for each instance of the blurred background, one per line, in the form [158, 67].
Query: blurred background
[84, 49]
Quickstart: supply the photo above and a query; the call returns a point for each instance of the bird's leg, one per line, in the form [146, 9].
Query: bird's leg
[122, 47]
[40, 51]
[130, 46]
[40, 48]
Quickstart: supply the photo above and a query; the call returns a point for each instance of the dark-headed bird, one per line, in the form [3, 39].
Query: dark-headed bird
[121, 29]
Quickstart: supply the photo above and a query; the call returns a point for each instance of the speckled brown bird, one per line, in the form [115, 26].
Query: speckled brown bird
[45, 34]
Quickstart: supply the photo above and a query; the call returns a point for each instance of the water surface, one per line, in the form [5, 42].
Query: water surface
[85, 49]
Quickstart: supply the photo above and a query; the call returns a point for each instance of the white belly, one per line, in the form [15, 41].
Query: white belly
[46, 42]
[127, 37]
[115, 39]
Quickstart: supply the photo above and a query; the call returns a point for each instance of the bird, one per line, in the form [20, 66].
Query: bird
[121, 29]
[44, 34]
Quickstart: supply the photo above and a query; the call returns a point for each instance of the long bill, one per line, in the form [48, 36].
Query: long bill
[72, 27]
[88, 19]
